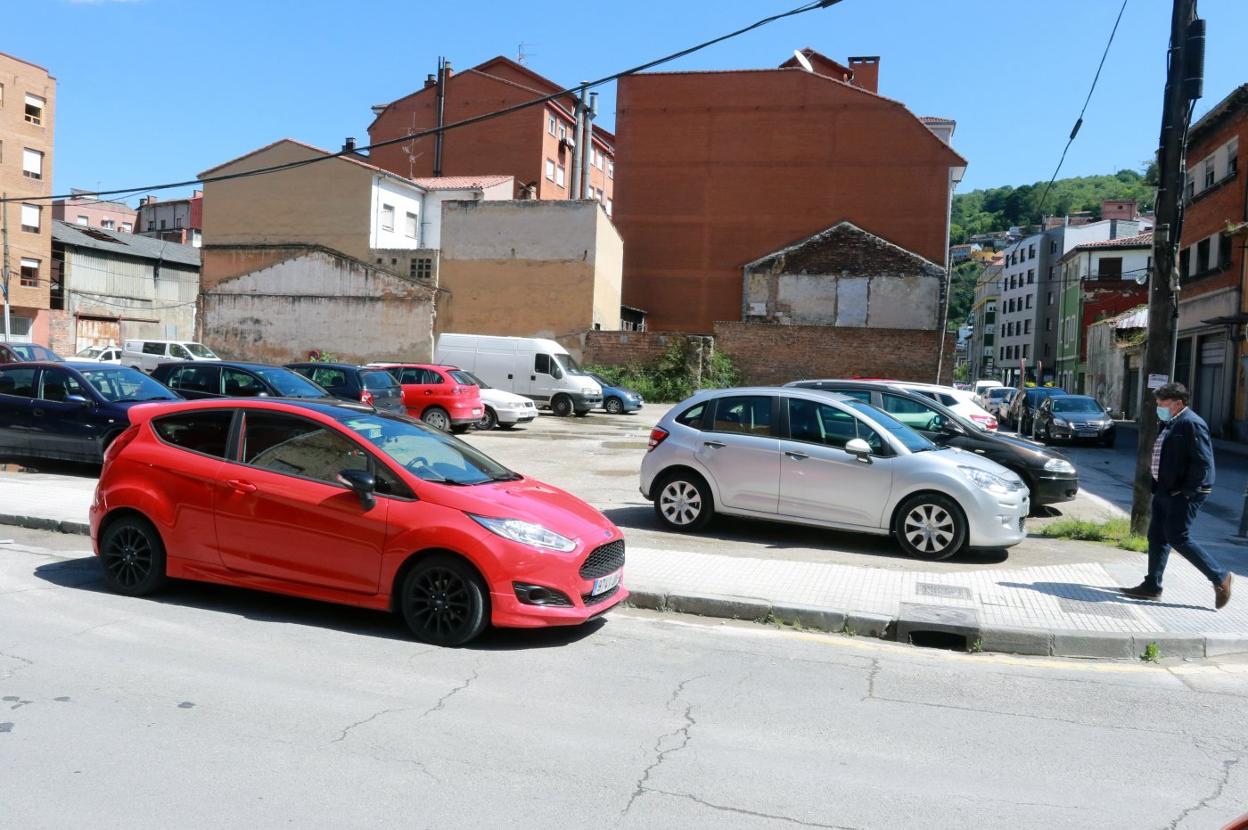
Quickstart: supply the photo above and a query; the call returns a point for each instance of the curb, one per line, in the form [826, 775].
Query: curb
[39, 523]
[926, 625]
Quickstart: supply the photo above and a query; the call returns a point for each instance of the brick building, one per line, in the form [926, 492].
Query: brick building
[27, 121]
[172, 220]
[535, 145]
[87, 211]
[1214, 285]
[717, 169]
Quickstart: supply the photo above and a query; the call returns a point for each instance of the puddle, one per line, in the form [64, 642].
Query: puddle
[626, 445]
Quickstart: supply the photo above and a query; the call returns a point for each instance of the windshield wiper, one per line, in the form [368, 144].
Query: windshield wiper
[507, 477]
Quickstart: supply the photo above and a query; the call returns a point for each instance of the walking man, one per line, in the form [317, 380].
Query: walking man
[1182, 480]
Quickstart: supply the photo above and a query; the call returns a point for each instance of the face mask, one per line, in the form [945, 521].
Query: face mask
[1164, 414]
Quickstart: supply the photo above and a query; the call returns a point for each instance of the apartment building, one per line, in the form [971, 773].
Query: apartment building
[982, 352]
[27, 124]
[536, 145]
[1213, 305]
[172, 220]
[85, 210]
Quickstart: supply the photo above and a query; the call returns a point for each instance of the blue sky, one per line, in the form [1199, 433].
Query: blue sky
[158, 90]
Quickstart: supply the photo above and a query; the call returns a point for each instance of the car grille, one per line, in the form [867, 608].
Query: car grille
[603, 597]
[604, 560]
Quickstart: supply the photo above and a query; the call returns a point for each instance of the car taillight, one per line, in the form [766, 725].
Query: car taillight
[657, 435]
[988, 421]
[119, 443]
[366, 397]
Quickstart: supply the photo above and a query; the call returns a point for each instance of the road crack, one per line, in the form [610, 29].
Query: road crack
[743, 812]
[1225, 776]
[681, 735]
[436, 707]
[871, 675]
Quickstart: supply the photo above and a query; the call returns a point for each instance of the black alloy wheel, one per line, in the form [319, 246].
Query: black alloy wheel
[444, 602]
[133, 557]
[614, 406]
[561, 406]
[488, 421]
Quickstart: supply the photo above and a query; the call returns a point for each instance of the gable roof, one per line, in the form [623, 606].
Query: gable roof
[1140, 240]
[852, 257]
[125, 244]
[1228, 106]
[348, 158]
[461, 182]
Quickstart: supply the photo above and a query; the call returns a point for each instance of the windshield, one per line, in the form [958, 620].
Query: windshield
[33, 351]
[426, 453]
[199, 350]
[122, 384]
[910, 439]
[1000, 394]
[91, 352]
[568, 365]
[290, 384]
[377, 380]
[1077, 404]
[468, 379]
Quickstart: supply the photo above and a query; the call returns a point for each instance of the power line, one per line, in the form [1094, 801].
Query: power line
[1079, 122]
[476, 119]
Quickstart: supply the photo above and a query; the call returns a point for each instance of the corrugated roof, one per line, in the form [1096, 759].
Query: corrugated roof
[460, 182]
[1136, 319]
[124, 244]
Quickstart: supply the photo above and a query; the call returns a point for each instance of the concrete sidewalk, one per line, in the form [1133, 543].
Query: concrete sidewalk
[1070, 609]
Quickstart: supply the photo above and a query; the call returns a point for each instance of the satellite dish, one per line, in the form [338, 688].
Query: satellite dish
[802, 60]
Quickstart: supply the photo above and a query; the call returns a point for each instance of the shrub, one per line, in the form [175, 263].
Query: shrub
[667, 378]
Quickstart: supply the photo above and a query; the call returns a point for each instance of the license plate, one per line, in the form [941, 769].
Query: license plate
[605, 583]
[476, 412]
[1088, 433]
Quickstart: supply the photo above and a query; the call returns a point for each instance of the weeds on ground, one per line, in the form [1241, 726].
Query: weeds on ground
[1151, 653]
[977, 646]
[1116, 532]
[667, 379]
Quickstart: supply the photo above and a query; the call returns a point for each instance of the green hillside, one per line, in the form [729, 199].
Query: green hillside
[999, 208]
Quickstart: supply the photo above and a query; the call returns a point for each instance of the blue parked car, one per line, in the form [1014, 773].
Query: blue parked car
[69, 411]
[617, 399]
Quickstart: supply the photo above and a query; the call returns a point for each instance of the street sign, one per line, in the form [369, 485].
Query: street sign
[1157, 381]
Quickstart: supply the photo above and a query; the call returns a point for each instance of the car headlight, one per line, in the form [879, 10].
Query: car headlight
[526, 533]
[1061, 422]
[991, 482]
[1059, 465]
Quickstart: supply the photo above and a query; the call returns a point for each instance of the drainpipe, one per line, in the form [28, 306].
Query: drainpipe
[437, 141]
[587, 147]
[578, 137]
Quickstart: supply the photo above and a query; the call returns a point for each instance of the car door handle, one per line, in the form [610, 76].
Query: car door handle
[509, 377]
[797, 456]
[242, 486]
[428, 391]
[38, 413]
[532, 377]
[714, 444]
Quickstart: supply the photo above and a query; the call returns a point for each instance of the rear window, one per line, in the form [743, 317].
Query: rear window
[33, 351]
[377, 380]
[202, 432]
[290, 384]
[467, 378]
[692, 417]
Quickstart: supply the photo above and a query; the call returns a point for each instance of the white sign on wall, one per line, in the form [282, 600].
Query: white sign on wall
[1157, 381]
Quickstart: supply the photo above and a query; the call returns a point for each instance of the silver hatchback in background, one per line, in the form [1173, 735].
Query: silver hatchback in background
[818, 458]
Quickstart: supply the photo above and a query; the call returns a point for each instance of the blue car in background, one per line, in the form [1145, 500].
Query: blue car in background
[70, 411]
[617, 399]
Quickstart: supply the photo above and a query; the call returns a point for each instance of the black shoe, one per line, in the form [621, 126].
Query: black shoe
[1141, 591]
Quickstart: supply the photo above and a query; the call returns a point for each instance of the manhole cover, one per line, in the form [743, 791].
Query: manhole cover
[1096, 609]
[933, 589]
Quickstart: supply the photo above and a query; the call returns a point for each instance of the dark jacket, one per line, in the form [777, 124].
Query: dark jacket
[1186, 456]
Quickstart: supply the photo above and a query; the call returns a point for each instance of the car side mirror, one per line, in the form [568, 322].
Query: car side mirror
[948, 427]
[860, 448]
[78, 399]
[362, 483]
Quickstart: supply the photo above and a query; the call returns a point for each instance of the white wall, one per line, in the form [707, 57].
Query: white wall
[404, 199]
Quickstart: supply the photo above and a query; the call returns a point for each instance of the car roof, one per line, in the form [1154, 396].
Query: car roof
[331, 407]
[388, 364]
[318, 363]
[244, 364]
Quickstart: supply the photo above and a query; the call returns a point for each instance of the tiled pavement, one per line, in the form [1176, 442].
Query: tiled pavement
[1034, 606]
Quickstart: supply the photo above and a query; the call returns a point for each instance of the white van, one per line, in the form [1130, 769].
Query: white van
[531, 366]
[148, 354]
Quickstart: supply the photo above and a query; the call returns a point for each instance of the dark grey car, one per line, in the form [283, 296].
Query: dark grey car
[356, 383]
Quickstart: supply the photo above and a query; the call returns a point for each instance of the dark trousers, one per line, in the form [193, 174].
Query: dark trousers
[1171, 527]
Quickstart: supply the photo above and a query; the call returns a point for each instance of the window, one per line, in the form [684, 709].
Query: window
[1026, 349]
[108, 224]
[818, 423]
[57, 385]
[32, 163]
[330, 378]
[1189, 186]
[1052, 246]
[1027, 326]
[692, 417]
[550, 170]
[197, 377]
[610, 170]
[155, 347]
[1031, 251]
[1050, 302]
[749, 414]
[1202, 256]
[162, 224]
[84, 221]
[550, 123]
[1209, 172]
[19, 382]
[1048, 324]
[30, 218]
[610, 206]
[1031, 276]
[1109, 268]
[412, 377]
[293, 446]
[1002, 353]
[913, 414]
[1224, 250]
[563, 132]
[421, 268]
[126, 227]
[1046, 349]
[202, 432]
[30, 273]
[1185, 258]
[541, 364]
[387, 217]
[34, 109]
[239, 384]
[1232, 157]
[177, 221]
[559, 175]
[412, 226]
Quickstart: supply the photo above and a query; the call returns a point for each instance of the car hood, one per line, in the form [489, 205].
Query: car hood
[528, 500]
[1033, 448]
[966, 458]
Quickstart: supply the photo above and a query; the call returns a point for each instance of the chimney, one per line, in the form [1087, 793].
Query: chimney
[449, 71]
[348, 146]
[378, 109]
[866, 72]
[1120, 209]
[430, 80]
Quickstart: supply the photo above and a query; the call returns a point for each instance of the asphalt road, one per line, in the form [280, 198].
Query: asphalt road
[211, 706]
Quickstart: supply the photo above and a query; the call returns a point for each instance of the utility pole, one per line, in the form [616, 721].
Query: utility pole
[438, 140]
[1184, 82]
[4, 251]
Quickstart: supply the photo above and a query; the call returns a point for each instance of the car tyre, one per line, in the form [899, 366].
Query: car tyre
[460, 429]
[581, 413]
[1108, 440]
[437, 418]
[930, 526]
[489, 420]
[561, 406]
[683, 501]
[443, 601]
[614, 406]
[133, 556]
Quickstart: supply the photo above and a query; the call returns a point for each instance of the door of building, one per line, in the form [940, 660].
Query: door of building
[1210, 371]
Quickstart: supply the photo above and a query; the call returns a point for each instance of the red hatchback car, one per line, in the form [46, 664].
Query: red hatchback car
[432, 394]
[337, 502]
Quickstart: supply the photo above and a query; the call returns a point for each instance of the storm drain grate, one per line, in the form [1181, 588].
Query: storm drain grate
[933, 589]
[1096, 609]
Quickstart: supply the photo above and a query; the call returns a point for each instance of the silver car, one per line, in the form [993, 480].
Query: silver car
[818, 458]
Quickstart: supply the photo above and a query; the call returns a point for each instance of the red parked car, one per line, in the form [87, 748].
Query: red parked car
[432, 394]
[340, 503]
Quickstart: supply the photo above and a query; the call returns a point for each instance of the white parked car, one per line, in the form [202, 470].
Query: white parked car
[994, 400]
[148, 354]
[817, 458]
[501, 409]
[99, 354]
[961, 401]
